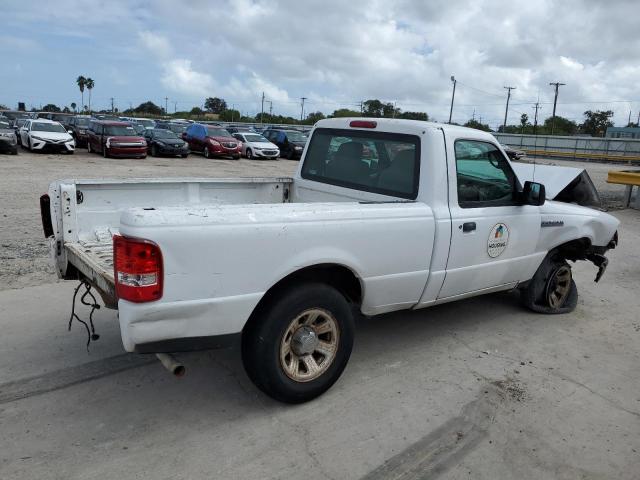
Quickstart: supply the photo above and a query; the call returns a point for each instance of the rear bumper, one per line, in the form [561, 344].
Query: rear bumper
[156, 322]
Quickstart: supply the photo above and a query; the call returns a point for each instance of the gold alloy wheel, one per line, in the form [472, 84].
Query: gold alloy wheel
[559, 286]
[309, 345]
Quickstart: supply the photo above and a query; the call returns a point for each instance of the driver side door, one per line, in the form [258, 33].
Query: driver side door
[494, 237]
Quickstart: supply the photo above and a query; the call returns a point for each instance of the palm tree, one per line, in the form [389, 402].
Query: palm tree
[89, 83]
[73, 106]
[81, 81]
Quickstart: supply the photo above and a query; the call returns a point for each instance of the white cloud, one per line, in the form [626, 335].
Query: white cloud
[180, 77]
[156, 44]
[570, 63]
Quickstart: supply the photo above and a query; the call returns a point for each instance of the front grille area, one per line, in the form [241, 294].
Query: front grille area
[229, 144]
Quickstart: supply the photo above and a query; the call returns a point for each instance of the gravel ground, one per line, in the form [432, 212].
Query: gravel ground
[23, 251]
[24, 259]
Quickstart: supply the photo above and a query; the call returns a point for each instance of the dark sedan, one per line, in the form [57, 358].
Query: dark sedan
[165, 142]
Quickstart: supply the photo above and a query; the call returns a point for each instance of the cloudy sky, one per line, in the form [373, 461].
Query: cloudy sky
[333, 52]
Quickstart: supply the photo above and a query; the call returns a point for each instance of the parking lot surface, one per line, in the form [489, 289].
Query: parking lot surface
[478, 389]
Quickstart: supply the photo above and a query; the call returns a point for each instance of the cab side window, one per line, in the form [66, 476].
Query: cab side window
[484, 176]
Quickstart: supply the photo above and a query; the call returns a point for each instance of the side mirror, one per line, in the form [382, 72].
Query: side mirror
[533, 193]
[70, 132]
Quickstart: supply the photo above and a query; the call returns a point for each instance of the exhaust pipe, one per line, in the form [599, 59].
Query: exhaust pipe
[171, 364]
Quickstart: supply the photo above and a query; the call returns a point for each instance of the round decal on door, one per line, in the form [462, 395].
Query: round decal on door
[498, 240]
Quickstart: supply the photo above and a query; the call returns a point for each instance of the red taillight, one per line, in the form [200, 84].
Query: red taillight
[137, 269]
[363, 124]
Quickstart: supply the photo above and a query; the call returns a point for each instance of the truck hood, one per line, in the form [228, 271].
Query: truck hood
[564, 184]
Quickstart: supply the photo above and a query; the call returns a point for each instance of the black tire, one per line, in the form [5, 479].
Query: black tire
[540, 294]
[249, 154]
[206, 153]
[154, 151]
[290, 154]
[184, 155]
[15, 151]
[236, 157]
[29, 145]
[89, 147]
[263, 336]
[105, 154]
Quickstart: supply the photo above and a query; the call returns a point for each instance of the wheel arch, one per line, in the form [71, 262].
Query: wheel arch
[576, 249]
[338, 276]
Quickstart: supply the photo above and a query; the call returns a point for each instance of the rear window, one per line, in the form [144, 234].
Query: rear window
[377, 162]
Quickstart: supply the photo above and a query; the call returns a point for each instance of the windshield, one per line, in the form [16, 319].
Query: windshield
[159, 133]
[4, 124]
[82, 122]
[217, 132]
[14, 115]
[47, 127]
[256, 138]
[120, 131]
[296, 136]
[145, 122]
[177, 128]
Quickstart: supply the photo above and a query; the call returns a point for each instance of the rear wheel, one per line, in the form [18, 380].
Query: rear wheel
[206, 152]
[298, 344]
[552, 289]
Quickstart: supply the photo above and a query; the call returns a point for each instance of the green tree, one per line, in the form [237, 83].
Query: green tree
[230, 116]
[89, 83]
[66, 110]
[414, 116]
[3, 107]
[196, 111]
[313, 117]
[50, 107]
[73, 106]
[215, 105]
[524, 122]
[564, 126]
[632, 125]
[345, 112]
[477, 125]
[148, 108]
[596, 123]
[81, 81]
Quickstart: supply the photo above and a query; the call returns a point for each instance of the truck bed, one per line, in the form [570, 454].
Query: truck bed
[88, 214]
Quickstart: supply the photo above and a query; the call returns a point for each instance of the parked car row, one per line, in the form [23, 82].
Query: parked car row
[8, 141]
[136, 137]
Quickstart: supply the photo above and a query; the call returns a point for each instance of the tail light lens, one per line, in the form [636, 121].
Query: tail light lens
[137, 269]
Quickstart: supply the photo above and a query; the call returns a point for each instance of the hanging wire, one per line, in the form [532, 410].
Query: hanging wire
[91, 331]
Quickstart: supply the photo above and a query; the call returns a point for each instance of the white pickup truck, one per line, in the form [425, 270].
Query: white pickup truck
[382, 215]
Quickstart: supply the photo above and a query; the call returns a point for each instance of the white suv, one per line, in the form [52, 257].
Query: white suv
[46, 135]
[255, 145]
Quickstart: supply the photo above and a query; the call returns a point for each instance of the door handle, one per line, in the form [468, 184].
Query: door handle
[468, 227]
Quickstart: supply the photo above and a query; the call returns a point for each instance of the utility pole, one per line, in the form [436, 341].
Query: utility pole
[262, 109]
[638, 121]
[535, 118]
[555, 101]
[361, 107]
[166, 111]
[453, 95]
[175, 106]
[111, 104]
[233, 109]
[506, 110]
[302, 108]
[473, 117]
[629, 122]
[270, 108]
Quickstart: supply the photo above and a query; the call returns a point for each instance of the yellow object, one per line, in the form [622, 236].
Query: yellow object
[624, 177]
